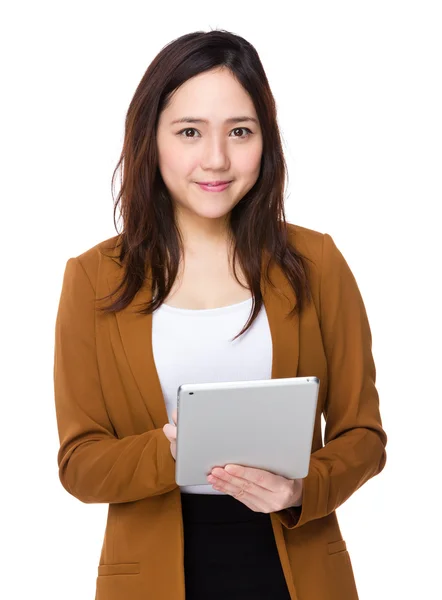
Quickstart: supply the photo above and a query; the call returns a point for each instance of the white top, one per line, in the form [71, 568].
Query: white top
[193, 346]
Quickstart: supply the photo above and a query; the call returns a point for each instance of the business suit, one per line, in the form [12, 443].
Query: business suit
[110, 414]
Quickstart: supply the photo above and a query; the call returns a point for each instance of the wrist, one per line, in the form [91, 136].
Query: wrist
[298, 492]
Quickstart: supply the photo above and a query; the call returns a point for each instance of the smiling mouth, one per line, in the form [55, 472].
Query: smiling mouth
[214, 188]
[213, 183]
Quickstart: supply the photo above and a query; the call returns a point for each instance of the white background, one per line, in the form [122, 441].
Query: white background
[358, 92]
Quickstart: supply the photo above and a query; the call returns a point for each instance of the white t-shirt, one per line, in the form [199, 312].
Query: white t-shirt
[193, 346]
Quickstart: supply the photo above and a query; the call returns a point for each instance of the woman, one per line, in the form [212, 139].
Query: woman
[195, 259]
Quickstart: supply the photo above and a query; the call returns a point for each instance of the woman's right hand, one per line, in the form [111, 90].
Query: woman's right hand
[170, 432]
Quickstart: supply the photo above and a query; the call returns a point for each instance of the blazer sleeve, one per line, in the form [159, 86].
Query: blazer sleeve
[94, 465]
[354, 440]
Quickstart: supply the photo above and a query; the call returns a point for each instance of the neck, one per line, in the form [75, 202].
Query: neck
[198, 232]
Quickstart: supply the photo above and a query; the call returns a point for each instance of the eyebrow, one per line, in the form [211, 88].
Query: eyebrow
[199, 120]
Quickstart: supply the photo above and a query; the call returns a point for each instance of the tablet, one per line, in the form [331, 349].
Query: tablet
[266, 424]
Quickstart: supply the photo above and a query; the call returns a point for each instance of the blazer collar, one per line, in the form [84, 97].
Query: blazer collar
[136, 335]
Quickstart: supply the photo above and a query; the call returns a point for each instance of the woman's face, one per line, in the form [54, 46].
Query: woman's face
[215, 150]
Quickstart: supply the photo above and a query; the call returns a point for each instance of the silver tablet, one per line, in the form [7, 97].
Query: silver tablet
[267, 424]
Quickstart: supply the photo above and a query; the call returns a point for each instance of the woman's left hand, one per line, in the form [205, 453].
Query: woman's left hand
[170, 431]
[262, 491]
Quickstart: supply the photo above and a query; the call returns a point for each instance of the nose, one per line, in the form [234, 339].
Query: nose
[215, 154]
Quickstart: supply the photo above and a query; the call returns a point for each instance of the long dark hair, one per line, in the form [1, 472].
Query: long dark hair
[150, 243]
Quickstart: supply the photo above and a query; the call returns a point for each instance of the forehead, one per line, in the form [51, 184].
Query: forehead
[212, 95]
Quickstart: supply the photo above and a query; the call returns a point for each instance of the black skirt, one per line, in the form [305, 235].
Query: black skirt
[229, 551]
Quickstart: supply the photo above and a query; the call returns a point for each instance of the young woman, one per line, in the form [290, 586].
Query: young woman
[208, 282]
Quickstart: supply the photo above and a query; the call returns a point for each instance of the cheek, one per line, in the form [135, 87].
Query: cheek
[175, 166]
[249, 163]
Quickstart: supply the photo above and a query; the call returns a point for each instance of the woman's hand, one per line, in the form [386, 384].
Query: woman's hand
[260, 490]
[170, 432]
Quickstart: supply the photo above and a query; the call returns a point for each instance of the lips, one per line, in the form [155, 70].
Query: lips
[213, 182]
[214, 188]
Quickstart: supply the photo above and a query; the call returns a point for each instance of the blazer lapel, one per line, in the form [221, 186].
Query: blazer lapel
[136, 337]
[278, 302]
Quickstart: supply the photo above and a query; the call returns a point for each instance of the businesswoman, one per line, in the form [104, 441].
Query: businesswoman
[207, 281]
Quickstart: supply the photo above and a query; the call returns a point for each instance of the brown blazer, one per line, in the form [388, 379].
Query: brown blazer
[110, 413]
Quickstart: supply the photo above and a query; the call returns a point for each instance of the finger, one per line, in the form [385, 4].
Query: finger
[257, 499]
[175, 416]
[173, 449]
[260, 477]
[170, 432]
[253, 492]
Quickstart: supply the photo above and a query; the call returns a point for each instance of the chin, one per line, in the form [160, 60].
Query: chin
[208, 209]
[212, 213]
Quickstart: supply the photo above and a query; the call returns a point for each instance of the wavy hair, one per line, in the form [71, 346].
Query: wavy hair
[150, 245]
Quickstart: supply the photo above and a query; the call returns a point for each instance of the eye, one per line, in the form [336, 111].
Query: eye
[187, 129]
[242, 129]
[249, 132]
